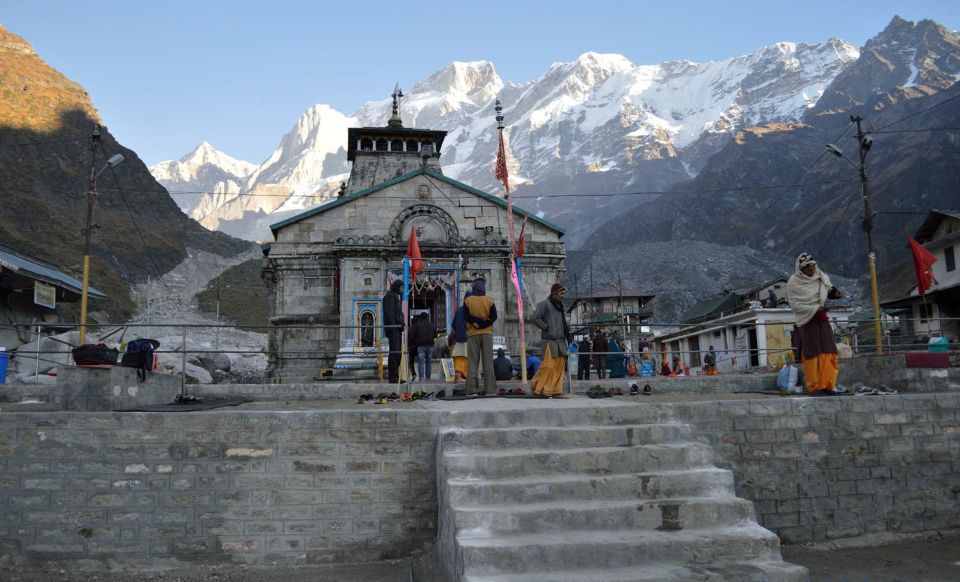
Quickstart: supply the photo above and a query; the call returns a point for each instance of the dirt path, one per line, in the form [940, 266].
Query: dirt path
[916, 559]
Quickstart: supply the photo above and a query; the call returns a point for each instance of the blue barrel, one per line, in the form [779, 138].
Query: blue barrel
[4, 358]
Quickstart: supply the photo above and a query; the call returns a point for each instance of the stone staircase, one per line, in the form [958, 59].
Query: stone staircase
[618, 494]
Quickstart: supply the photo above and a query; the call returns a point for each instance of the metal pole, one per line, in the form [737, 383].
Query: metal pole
[513, 255]
[868, 226]
[91, 192]
[216, 337]
[36, 375]
[183, 362]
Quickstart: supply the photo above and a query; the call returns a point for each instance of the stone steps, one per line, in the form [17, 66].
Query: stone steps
[750, 571]
[603, 413]
[600, 493]
[584, 461]
[705, 481]
[571, 437]
[569, 550]
[602, 514]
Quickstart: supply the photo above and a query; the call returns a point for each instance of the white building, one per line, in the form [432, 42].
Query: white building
[748, 328]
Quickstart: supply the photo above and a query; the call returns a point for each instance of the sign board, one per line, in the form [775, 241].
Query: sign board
[45, 295]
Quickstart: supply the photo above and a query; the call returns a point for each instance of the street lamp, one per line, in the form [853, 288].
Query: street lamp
[91, 193]
[864, 142]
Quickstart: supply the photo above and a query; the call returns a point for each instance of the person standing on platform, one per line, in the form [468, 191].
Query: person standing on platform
[807, 292]
[600, 347]
[458, 341]
[393, 322]
[583, 358]
[710, 362]
[480, 315]
[421, 337]
[552, 321]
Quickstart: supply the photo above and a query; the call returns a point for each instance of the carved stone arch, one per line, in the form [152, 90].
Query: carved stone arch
[437, 225]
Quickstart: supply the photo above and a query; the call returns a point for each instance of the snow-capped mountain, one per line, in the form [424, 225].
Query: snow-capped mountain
[597, 122]
[204, 170]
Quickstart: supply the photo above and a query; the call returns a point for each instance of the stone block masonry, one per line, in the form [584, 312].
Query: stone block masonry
[827, 468]
[249, 487]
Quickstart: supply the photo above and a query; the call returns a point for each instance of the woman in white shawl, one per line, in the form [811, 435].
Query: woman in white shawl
[807, 292]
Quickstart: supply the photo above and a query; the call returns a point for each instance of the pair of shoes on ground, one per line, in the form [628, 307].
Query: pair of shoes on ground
[598, 392]
[635, 390]
[882, 390]
[187, 399]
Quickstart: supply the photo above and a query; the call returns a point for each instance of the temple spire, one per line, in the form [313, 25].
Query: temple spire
[395, 120]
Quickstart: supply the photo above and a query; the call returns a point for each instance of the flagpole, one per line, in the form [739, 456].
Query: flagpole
[501, 172]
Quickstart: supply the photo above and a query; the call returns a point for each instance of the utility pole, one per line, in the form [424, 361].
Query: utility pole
[216, 341]
[91, 187]
[864, 143]
[623, 316]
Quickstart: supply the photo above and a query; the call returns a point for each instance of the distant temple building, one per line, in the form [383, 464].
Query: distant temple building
[329, 266]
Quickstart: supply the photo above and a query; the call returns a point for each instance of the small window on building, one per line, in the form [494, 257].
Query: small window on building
[413, 145]
[367, 281]
[396, 145]
[366, 144]
[949, 260]
[381, 145]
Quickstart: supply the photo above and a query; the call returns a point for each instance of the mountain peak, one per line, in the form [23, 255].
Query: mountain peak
[462, 77]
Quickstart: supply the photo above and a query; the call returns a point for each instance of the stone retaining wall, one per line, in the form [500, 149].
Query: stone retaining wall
[825, 468]
[251, 487]
[347, 486]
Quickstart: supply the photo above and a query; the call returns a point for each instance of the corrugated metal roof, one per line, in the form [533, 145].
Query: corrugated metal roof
[35, 269]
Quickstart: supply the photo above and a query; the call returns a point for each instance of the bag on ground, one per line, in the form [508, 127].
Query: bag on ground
[787, 378]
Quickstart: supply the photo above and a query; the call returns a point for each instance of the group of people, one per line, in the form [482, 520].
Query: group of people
[604, 353]
[471, 340]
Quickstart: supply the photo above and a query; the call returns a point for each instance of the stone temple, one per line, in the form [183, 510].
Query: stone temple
[329, 266]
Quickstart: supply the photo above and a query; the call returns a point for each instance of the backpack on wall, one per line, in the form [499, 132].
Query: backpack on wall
[139, 355]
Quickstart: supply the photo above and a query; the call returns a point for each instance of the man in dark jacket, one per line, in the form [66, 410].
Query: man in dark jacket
[502, 366]
[421, 338]
[393, 316]
[583, 358]
[600, 347]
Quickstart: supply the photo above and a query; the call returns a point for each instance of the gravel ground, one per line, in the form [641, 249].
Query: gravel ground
[927, 558]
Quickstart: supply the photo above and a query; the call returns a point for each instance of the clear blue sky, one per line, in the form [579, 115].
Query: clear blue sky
[166, 75]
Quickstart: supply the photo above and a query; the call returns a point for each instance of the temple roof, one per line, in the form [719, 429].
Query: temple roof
[403, 178]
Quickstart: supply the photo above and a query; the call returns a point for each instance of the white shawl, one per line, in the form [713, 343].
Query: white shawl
[806, 295]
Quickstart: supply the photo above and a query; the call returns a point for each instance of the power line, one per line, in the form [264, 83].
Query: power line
[922, 111]
[924, 130]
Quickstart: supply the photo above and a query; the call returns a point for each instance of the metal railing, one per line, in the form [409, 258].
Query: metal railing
[319, 346]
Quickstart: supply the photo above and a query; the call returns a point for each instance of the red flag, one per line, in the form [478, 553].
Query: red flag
[413, 253]
[501, 167]
[923, 260]
[522, 241]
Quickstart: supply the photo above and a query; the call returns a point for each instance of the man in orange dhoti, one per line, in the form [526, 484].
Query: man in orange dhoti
[552, 321]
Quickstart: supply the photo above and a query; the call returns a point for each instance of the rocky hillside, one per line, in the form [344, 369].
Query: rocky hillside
[45, 159]
[775, 188]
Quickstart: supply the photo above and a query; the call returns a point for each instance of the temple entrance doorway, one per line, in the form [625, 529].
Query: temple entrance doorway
[432, 299]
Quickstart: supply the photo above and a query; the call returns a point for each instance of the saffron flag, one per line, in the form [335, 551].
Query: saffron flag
[501, 168]
[413, 253]
[923, 261]
[522, 241]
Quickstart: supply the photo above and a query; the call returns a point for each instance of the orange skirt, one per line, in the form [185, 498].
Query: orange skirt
[821, 372]
[460, 366]
[548, 381]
